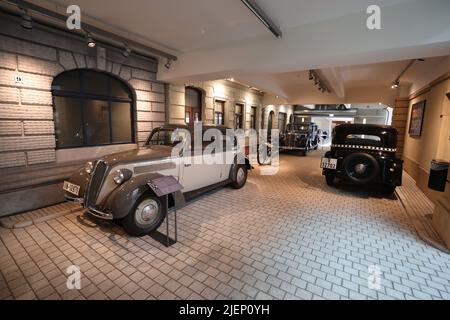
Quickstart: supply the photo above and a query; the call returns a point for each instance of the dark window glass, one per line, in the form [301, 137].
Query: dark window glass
[95, 83]
[253, 118]
[238, 116]
[121, 122]
[70, 81]
[118, 89]
[96, 119]
[219, 111]
[363, 139]
[98, 114]
[193, 98]
[68, 121]
[282, 117]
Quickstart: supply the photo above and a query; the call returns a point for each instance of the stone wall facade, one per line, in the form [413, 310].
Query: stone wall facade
[221, 90]
[29, 61]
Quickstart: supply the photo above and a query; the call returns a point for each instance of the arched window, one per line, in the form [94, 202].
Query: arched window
[91, 108]
[193, 105]
[269, 126]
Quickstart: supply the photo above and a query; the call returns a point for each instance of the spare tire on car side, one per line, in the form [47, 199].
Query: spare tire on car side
[361, 168]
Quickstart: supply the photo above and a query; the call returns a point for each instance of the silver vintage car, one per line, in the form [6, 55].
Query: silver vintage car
[115, 187]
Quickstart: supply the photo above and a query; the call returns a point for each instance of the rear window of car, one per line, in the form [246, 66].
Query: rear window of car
[299, 127]
[363, 139]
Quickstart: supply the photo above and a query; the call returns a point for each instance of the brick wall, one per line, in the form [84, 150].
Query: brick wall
[27, 133]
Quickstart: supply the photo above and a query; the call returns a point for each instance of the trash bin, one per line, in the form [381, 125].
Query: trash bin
[438, 175]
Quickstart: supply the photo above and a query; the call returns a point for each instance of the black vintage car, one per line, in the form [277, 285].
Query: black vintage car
[300, 136]
[364, 154]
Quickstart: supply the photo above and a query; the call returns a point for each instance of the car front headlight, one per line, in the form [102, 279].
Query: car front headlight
[89, 167]
[122, 175]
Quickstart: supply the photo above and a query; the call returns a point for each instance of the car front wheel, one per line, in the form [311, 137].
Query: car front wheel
[146, 216]
[239, 177]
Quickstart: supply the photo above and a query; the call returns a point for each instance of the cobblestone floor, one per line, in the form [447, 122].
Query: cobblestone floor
[287, 236]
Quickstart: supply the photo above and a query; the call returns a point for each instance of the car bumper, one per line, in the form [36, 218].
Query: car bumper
[291, 148]
[100, 213]
[74, 199]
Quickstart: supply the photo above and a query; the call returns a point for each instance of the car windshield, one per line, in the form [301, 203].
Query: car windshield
[363, 139]
[165, 137]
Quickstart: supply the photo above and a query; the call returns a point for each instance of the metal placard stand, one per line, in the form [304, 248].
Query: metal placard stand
[163, 187]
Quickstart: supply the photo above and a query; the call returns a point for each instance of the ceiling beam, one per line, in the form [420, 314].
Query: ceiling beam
[333, 78]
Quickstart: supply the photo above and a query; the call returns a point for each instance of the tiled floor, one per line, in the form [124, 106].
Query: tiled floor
[287, 236]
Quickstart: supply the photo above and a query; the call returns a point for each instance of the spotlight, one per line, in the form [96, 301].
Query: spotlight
[126, 53]
[27, 22]
[90, 41]
[395, 84]
[168, 64]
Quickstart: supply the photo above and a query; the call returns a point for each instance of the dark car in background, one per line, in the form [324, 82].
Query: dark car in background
[301, 137]
[364, 154]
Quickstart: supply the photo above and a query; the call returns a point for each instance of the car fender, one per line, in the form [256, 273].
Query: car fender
[123, 199]
[80, 178]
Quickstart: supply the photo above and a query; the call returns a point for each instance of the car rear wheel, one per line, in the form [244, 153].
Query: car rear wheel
[239, 176]
[330, 179]
[146, 216]
[388, 189]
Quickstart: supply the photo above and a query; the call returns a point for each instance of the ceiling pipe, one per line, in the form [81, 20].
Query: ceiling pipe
[263, 17]
[94, 32]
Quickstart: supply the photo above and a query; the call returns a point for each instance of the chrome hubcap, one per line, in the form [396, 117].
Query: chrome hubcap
[240, 176]
[360, 168]
[147, 212]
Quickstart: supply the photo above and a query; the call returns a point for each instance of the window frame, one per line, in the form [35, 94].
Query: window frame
[222, 112]
[282, 119]
[239, 116]
[253, 112]
[83, 97]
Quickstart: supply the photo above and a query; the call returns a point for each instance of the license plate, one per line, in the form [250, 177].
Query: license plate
[328, 163]
[72, 188]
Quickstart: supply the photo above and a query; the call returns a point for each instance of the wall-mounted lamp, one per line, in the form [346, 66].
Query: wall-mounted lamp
[90, 41]
[321, 85]
[26, 22]
[126, 53]
[168, 64]
[396, 83]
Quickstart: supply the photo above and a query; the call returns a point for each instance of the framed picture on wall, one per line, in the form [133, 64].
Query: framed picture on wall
[416, 121]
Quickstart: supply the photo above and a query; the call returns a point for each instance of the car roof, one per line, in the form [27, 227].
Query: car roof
[364, 128]
[191, 126]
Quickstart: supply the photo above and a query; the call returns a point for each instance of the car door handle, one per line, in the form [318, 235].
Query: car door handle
[187, 165]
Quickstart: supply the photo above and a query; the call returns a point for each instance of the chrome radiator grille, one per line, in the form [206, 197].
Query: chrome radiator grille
[95, 183]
